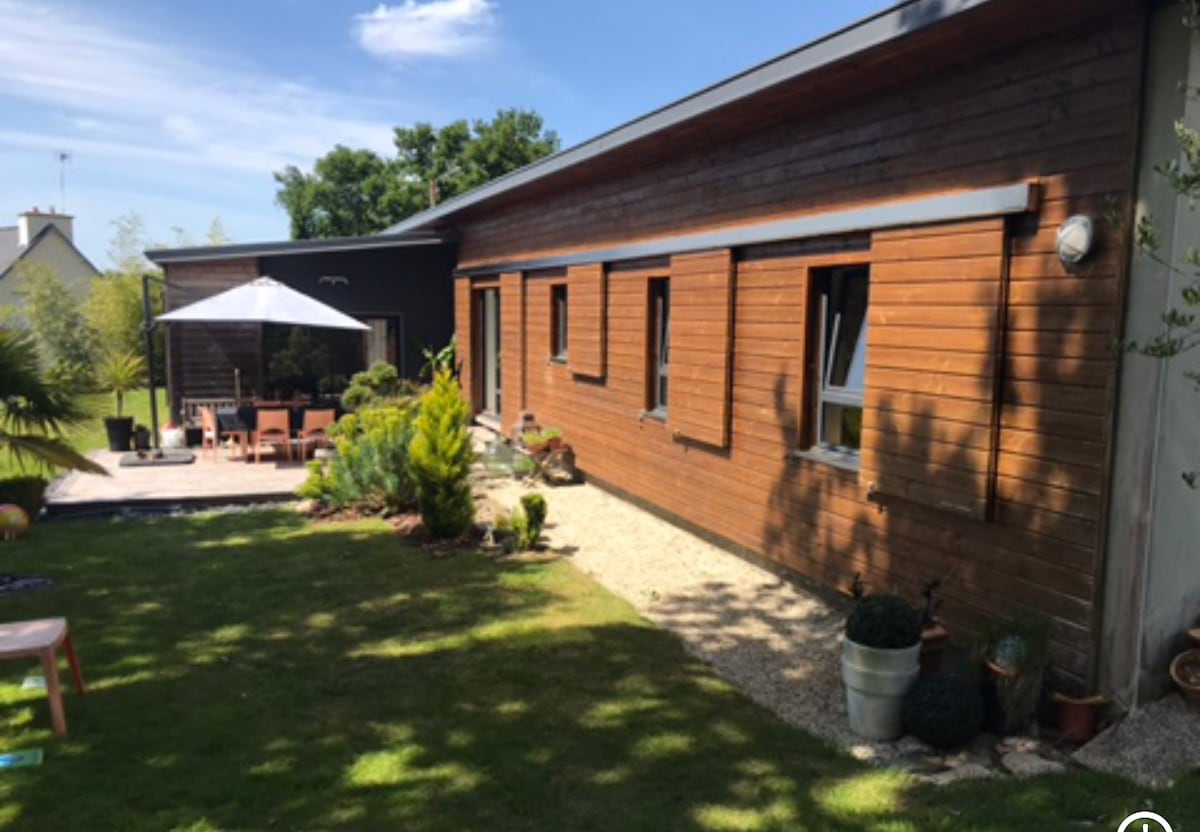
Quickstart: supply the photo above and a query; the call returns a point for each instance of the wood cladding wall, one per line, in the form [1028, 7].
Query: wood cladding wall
[990, 366]
[206, 355]
[1061, 104]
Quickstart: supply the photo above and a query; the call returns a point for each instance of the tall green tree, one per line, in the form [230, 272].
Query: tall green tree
[357, 192]
[56, 319]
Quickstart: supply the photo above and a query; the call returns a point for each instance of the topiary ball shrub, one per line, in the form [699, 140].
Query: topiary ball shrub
[943, 711]
[884, 621]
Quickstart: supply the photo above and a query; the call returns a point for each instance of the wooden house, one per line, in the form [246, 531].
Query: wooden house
[818, 311]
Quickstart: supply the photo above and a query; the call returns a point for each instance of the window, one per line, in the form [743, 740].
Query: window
[660, 343]
[558, 322]
[842, 358]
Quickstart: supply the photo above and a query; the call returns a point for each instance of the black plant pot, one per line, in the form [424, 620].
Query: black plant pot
[141, 439]
[120, 431]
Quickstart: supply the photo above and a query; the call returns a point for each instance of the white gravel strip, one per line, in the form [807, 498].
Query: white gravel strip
[768, 637]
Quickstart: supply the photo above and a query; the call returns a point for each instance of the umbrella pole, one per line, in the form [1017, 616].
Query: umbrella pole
[148, 331]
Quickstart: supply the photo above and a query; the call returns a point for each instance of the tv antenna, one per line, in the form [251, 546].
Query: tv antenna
[62, 157]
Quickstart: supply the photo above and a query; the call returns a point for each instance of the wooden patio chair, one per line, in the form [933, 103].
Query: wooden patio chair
[210, 432]
[314, 430]
[275, 429]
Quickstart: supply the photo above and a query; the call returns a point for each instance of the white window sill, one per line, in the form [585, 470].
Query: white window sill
[843, 460]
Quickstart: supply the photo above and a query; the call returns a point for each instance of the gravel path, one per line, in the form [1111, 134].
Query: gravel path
[782, 646]
[765, 635]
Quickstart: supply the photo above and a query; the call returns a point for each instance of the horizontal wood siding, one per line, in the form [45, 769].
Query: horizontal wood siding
[1059, 109]
[585, 320]
[945, 462]
[464, 335]
[701, 342]
[201, 358]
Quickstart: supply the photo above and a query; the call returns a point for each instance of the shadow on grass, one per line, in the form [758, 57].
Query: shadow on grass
[256, 673]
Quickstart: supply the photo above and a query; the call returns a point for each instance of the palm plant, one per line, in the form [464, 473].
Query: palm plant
[33, 413]
[120, 373]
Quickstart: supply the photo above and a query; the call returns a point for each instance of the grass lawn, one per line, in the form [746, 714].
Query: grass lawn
[89, 434]
[254, 672]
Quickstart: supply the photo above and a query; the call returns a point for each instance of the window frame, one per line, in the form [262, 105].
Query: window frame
[560, 322]
[658, 330]
[823, 392]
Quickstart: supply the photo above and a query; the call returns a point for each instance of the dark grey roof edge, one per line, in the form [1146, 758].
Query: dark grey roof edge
[282, 247]
[902, 19]
[37, 238]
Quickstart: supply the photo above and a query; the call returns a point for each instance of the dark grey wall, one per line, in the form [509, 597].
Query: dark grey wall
[411, 284]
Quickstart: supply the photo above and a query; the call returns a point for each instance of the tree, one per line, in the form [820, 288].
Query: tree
[216, 235]
[441, 456]
[342, 197]
[33, 413]
[129, 242]
[357, 192]
[62, 333]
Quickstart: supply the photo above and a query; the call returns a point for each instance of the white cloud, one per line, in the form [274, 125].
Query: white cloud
[430, 29]
[161, 100]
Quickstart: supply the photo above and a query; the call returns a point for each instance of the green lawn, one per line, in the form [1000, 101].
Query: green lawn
[89, 434]
[255, 672]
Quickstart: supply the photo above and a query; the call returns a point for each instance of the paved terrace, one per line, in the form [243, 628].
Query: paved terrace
[203, 482]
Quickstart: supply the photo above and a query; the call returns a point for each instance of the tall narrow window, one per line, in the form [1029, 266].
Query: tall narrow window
[842, 351]
[558, 322]
[660, 344]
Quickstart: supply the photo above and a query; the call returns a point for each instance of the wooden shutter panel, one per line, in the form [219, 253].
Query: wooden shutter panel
[936, 303]
[701, 313]
[512, 346]
[464, 342]
[586, 320]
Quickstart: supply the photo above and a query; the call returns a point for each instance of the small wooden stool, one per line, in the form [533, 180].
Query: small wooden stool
[23, 639]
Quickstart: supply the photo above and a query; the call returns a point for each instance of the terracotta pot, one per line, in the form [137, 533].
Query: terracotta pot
[934, 639]
[1077, 717]
[1185, 672]
[554, 443]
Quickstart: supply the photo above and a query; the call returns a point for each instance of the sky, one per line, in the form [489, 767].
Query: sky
[181, 112]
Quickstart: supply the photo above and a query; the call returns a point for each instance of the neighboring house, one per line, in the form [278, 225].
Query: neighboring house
[42, 239]
[400, 286]
[816, 312]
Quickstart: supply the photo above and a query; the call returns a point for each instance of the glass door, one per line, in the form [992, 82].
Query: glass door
[489, 310]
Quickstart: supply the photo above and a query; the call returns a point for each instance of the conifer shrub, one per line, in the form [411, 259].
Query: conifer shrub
[440, 458]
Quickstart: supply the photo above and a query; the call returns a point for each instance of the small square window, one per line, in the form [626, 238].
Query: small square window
[841, 341]
[558, 322]
[660, 344]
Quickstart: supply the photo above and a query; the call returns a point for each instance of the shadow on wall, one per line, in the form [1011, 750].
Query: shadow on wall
[1038, 551]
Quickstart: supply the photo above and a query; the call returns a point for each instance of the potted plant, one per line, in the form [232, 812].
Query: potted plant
[534, 442]
[120, 373]
[553, 437]
[1076, 713]
[1185, 673]
[880, 659]
[1015, 653]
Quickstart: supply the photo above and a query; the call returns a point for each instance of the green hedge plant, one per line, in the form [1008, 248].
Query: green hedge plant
[943, 711]
[885, 622]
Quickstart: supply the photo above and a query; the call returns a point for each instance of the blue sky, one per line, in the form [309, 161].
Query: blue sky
[181, 111]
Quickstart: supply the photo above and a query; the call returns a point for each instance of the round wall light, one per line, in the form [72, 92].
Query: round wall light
[1075, 238]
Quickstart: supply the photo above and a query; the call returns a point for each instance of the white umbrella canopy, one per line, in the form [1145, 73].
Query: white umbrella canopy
[264, 301]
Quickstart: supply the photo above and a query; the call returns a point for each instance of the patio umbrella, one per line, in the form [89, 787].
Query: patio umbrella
[264, 301]
[261, 301]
